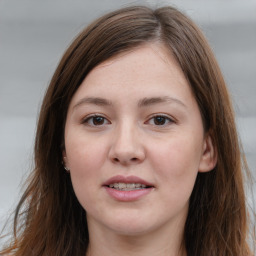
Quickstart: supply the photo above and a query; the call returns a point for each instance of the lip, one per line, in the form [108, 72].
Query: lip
[127, 179]
[130, 195]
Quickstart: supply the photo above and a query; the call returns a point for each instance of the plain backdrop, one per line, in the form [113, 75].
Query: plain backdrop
[34, 35]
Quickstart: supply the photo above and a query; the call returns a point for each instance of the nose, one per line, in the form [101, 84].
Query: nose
[127, 147]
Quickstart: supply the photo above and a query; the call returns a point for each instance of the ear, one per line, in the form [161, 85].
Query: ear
[209, 155]
[65, 160]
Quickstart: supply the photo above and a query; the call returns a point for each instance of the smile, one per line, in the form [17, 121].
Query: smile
[127, 186]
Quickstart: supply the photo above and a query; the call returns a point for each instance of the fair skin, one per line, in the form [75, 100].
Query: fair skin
[134, 121]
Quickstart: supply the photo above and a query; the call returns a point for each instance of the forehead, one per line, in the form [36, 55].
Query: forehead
[142, 69]
[153, 58]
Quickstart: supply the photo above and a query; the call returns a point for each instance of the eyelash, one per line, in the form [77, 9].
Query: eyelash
[90, 120]
[166, 118]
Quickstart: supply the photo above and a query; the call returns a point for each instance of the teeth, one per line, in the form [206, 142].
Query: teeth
[127, 186]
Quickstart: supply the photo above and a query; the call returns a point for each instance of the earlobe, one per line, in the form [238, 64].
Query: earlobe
[65, 161]
[209, 155]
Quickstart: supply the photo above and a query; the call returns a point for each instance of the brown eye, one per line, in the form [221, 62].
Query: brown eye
[160, 120]
[96, 121]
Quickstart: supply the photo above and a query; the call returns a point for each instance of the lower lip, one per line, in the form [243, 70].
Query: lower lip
[127, 196]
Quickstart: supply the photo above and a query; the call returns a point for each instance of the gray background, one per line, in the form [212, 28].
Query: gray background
[34, 35]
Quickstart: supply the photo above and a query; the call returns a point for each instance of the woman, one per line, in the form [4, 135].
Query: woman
[136, 150]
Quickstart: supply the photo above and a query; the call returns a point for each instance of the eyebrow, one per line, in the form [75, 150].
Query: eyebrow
[93, 101]
[157, 100]
[142, 103]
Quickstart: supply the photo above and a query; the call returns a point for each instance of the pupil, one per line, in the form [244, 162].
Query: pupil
[98, 120]
[159, 120]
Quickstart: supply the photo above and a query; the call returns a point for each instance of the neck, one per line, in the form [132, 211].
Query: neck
[158, 243]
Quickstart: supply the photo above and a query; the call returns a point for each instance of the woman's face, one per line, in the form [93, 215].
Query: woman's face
[134, 143]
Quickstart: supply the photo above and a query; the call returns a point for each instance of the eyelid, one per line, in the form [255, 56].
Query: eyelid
[86, 119]
[168, 117]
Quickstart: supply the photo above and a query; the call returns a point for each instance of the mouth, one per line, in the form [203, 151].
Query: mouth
[127, 183]
[128, 186]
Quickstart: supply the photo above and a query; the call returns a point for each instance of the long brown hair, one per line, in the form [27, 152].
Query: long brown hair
[50, 221]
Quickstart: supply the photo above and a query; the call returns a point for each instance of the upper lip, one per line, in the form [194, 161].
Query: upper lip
[127, 179]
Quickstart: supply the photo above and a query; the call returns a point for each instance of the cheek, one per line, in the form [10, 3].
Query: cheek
[85, 158]
[85, 161]
[84, 154]
[177, 162]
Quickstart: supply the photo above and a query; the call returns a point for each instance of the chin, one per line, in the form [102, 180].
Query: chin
[128, 230]
[132, 225]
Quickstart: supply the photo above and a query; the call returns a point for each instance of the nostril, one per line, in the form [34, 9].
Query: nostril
[117, 160]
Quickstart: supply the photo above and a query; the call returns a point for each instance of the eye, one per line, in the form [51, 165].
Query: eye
[95, 120]
[160, 120]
